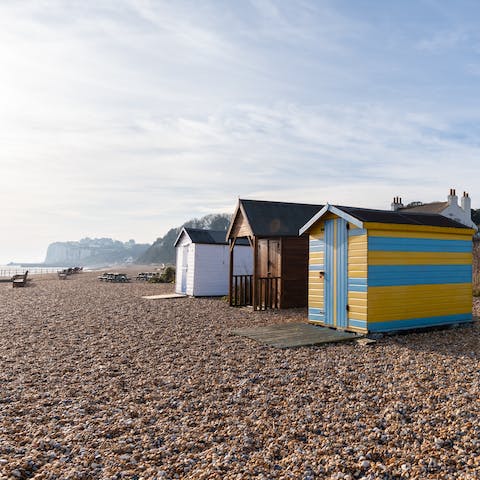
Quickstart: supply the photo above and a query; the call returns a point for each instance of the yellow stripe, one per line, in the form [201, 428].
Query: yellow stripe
[357, 271]
[396, 230]
[418, 258]
[357, 298]
[316, 231]
[358, 240]
[418, 301]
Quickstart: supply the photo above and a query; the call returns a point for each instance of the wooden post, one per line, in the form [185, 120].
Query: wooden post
[230, 278]
[255, 274]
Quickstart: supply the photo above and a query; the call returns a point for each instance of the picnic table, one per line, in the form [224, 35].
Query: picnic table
[145, 276]
[114, 277]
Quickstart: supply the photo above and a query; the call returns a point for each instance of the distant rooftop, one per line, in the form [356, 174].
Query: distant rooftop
[433, 207]
[209, 237]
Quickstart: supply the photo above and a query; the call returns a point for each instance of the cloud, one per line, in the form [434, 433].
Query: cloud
[445, 40]
[127, 118]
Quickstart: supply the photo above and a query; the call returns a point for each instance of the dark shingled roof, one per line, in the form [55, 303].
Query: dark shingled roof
[401, 217]
[282, 219]
[214, 237]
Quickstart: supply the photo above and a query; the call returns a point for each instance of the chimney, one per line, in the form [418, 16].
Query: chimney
[452, 197]
[466, 204]
[397, 203]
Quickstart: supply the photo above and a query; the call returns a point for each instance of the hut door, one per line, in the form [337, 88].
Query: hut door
[268, 279]
[336, 253]
[184, 268]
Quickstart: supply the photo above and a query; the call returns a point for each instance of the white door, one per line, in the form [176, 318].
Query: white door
[184, 268]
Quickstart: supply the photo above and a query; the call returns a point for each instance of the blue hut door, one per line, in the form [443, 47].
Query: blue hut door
[336, 273]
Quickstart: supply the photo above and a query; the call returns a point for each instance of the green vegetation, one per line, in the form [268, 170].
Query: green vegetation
[163, 251]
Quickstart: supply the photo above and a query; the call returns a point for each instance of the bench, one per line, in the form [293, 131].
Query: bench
[20, 279]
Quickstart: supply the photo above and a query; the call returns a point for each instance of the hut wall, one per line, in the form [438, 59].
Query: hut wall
[212, 268]
[316, 282]
[240, 226]
[357, 278]
[418, 276]
[294, 272]
[356, 272]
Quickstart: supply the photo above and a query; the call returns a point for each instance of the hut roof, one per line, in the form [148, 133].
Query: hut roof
[281, 219]
[360, 215]
[209, 237]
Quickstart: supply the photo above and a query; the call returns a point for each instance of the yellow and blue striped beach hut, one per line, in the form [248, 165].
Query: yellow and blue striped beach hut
[380, 271]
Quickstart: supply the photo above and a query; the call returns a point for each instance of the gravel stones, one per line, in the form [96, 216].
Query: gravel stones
[98, 383]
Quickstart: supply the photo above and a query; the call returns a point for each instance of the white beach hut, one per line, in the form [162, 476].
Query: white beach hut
[203, 262]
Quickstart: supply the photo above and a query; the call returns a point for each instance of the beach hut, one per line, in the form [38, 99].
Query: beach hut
[203, 262]
[280, 264]
[380, 271]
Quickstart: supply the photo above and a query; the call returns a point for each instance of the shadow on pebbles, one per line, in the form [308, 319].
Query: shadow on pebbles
[98, 383]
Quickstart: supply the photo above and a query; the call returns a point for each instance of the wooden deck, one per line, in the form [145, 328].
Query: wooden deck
[295, 335]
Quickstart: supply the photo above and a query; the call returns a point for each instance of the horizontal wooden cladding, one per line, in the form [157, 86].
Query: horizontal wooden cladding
[404, 229]
[357, 256]
[423, 322]
[316, 259]
[397, 244]
[316, 231]
[417, 301]
[418, 258]
[397, 275]
[240, 227]
[357, 325]
[359, 271]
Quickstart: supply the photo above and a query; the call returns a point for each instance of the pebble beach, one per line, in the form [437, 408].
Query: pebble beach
[98, 383]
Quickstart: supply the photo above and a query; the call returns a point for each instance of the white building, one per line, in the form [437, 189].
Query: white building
[203, 262]
[461, 213]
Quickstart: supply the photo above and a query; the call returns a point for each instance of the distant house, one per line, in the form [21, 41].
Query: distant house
[203, 262]
[451, 209]
[280, 265]
[380, 271]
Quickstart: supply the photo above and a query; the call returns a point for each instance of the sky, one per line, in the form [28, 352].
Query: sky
[125, 118]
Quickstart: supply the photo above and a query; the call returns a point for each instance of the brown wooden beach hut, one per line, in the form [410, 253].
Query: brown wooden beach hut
[280, 255]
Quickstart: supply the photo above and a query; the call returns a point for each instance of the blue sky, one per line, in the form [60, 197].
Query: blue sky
[125, 118]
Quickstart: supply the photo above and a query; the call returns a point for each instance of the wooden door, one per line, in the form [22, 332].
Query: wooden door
[268, 273]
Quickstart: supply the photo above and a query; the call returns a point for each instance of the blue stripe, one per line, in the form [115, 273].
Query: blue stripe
[313, 268]
[357, 281]
[316, 314]
[342, 273]
[354, 232]
[357, 284]
[317, 249]
[357, 288]
[357, 323]
[419, 322]
[317, 243]
[397, 244]
[396, 275]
